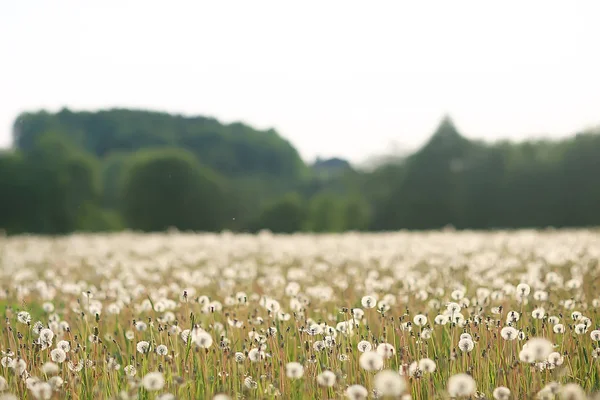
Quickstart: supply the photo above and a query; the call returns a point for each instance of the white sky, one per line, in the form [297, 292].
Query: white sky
[337, 78]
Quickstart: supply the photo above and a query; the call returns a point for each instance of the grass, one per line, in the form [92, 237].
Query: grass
[229, 294]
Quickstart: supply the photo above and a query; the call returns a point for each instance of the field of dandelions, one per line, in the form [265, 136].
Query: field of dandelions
[437, 315]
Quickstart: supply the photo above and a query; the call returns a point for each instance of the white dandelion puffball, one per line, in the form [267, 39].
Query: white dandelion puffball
[357, 392]
[326, 379]
[501, 393]
[221, 396]
[509, 333]
[461, 385]
[386, 350]
[371, 361]
[201, 338]
[420, 320]
[572, 391]
[58, 355]
[294, 370]
[540, 348]
[142, 346]
[466, 345]
[364, 345]
[153, 381]
[427, 365]
[369, 302]
[389, 383]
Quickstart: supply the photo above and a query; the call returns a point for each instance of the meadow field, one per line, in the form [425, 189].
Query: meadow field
[430, 315]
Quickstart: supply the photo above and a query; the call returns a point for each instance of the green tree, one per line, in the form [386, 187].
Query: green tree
[325, 213]
[165, 188]
[285, 215]
[17, 202]
[356, 214]
[63, 180]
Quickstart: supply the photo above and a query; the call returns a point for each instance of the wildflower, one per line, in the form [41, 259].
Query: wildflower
[358, 313]
[201, 338]
[523, 289]
[386, 350]
[427, 365]
[56, 382]
[18, 365]
[48, 307]
[555, 358]
[326, 378]
[441, 319]
[420, 320]
[595, 335]
[24, 317]
[540, 348]
[457, 295]
[142, 346]
[41, 391]
[509, 333]
[64, 346]
[453, 308]
[75, 367]
[572, 391]
[314, 329]
[162, 350]
[294, 370]
[540, 295]
[49, 368]
[256, 355]
[501, 393]
[58, 355]
[580, 329]
[558, 328]
[466, 345]
[112, 364]
[329, 341]
[512, 316]
[461, 385]
[368, 302]
[153, 381]
[141, 326]
[538, 313]
[357, 392]
[318, 345]
[130, 370]
[371, 361]
[576, 315]
[389, 383]
[526, 355]
[250, 383]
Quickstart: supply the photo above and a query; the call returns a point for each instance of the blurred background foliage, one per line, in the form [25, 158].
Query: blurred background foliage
[118, 169]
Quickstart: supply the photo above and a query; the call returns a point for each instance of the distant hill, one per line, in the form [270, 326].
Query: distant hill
[231, 149]
[331, 167]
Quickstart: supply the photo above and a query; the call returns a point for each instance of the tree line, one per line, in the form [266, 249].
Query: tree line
[130, 169]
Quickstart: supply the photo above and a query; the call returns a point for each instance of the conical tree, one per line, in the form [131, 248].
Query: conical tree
[430, 194]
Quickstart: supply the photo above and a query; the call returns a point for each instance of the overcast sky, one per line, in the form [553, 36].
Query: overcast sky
[337, 78]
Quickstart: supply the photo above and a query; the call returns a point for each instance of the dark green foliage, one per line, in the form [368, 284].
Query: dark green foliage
[53, 187]
[232, 150]
[165, 188]
[116, 169]
[285, 215]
